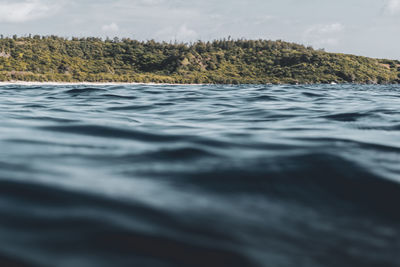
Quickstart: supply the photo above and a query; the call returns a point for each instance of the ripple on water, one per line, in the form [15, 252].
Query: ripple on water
[210, 175]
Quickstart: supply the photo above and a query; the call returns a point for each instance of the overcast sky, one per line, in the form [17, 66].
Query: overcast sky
[363, 27]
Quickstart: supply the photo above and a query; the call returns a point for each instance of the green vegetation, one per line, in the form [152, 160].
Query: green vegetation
[53, 58]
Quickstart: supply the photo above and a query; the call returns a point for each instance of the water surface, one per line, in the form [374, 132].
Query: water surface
[249, 176]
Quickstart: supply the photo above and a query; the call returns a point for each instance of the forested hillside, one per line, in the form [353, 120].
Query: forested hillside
[53, 58]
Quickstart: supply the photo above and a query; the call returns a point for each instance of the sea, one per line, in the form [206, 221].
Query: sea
[199, 175]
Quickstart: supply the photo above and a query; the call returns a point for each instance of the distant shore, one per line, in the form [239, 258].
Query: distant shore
[75, 61]
[88, 83]
[23, 83]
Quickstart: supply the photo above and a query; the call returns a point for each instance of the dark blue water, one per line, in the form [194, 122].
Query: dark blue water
[248, 176]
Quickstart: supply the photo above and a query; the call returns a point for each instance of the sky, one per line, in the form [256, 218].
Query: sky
[361, 27]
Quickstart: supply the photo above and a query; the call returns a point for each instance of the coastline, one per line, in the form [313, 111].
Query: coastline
[23, 83]
[89, 61]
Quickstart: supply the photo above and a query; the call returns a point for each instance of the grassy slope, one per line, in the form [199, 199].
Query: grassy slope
[224, 61]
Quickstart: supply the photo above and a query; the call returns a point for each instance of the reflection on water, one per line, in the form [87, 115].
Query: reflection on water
[148, 175]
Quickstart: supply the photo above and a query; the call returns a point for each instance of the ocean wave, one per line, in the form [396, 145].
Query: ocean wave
[172, 175]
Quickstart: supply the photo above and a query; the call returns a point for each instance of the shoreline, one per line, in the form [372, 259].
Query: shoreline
[93, 61]
[24, 83]
[91, 83]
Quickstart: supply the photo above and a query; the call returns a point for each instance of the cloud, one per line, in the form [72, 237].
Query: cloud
[263, 19]
[27, 10]
[113, 27]
[152, 2]
[183, 33]
[322, 35]
[325, 28]
[392, 7]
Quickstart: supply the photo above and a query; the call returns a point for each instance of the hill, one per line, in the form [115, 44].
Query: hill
[52, 58]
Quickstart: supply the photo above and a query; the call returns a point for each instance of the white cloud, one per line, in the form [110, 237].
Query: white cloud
[113, 27]
[183, 33]
[392, 7]
[27, 10]
[322, 35]
[325, 29]
[263, 19]
[152, 2]
[327, 42]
